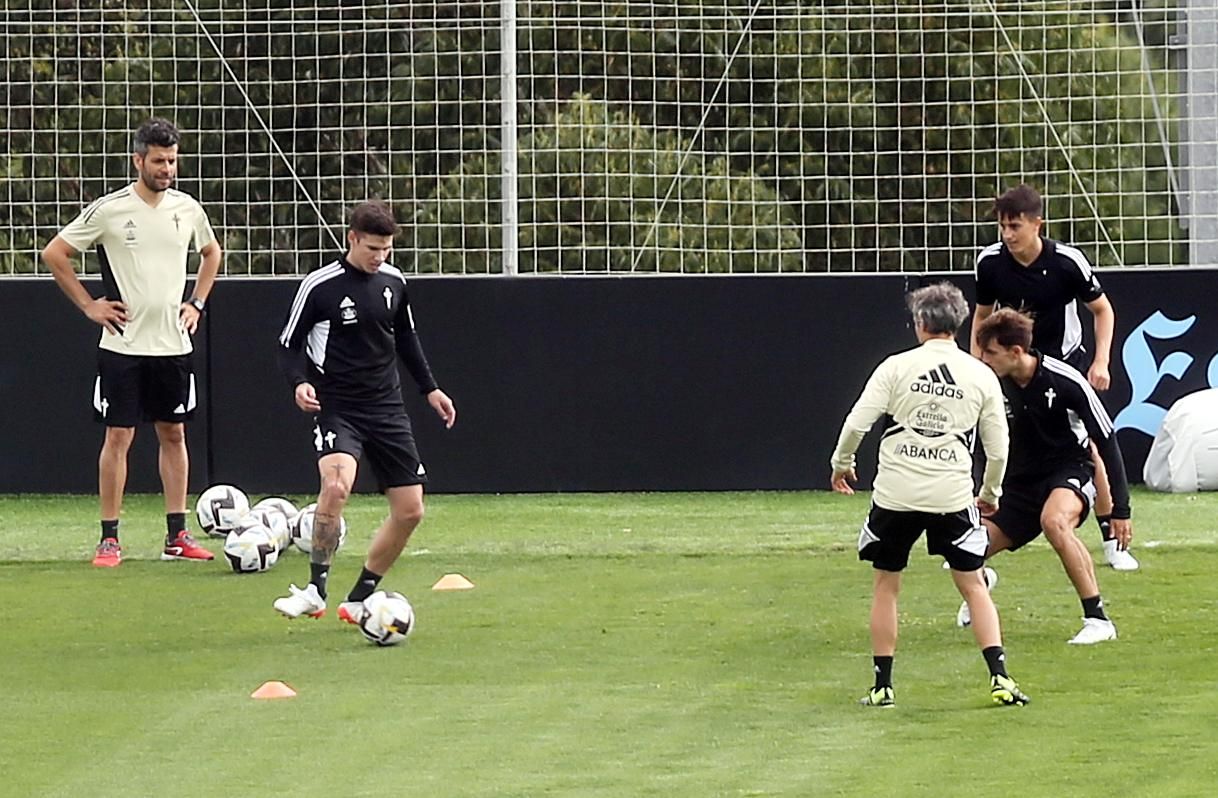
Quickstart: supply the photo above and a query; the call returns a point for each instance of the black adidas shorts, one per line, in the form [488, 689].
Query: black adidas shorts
[888, 536]
[1019, 509]
[134, 388]
[384, 439]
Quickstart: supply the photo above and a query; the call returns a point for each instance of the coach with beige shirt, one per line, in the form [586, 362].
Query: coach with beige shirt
[142, 234]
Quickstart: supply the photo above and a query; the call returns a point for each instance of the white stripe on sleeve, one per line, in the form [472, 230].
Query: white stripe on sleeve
[302, 294]
[1093, 400]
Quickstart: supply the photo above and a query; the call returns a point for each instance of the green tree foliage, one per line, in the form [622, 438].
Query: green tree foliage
[593, 184]
[867, 135]
[891, 125]
[359, 106]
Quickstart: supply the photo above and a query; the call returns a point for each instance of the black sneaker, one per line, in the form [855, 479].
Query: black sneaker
[1006, 692]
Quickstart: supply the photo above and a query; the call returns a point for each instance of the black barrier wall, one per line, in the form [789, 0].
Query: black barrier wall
[48, 358]
[567, 384]
[588, 384]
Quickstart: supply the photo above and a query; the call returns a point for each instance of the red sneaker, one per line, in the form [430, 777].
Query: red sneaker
[109, 554]
[184, 547]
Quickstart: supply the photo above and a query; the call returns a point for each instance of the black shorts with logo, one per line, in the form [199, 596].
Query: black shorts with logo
[384, 438]
[1022, 501]
[133, 388]
[888, 536]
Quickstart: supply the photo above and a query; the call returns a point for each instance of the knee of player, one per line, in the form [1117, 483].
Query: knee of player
[1058, 528]
[119, 438]
[171, 434]
[968, 582]
[334, 490]
[409, 515]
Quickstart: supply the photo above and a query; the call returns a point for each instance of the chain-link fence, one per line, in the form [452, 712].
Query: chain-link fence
[731, 136]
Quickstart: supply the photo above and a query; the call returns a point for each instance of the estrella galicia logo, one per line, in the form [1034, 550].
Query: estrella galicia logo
[1145, 373]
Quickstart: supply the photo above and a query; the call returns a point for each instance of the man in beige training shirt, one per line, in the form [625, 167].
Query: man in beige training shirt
[935, 398]
[142, 234]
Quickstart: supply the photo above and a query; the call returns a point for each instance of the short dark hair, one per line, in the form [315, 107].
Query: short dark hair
[1023, 200]
[374, 218]
[1006, 327]
[156, 132]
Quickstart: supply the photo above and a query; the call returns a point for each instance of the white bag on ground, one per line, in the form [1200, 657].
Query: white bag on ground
[1184, 455]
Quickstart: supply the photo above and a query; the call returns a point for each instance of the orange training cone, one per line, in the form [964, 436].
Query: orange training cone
[453, 582]
[273, 690]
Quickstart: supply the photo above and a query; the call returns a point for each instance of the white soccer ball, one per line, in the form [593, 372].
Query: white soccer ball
[280, 505]
[276, 524]
[388, 618]
[302, 532]
[280, 517]
[219, 509]
[249, 548]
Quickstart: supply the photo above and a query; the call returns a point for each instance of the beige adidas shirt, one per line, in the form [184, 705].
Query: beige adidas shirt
[143, 252]
[937, 395]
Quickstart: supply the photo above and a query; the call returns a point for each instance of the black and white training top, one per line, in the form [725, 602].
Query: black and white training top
[1049, 290]
[1051, 421]
[344, 332]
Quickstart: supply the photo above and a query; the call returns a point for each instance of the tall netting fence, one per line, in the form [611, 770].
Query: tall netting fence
[571, 136]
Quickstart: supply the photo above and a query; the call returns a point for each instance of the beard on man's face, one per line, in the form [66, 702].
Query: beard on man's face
[154, 183]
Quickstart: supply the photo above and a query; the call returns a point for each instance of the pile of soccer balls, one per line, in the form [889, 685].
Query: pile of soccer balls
[254, 537]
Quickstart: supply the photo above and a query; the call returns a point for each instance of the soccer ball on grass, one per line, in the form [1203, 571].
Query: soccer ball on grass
[388, 618]
[276, 518]
[278, 504]
[250, 547]
[219, 508]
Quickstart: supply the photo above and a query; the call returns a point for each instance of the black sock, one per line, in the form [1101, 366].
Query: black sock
[883, 671]
[364, 586]
[174, 523]
[996, 659]
[109, 530]
[318, 574]
[1105, 522]
[1094, 608]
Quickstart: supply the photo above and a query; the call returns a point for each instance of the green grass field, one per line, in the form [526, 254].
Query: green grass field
[615, 645]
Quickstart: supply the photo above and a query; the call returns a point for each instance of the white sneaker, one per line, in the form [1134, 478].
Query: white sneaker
[963, 616]
[1094, 631]
[302, 602]
[353, 612]
[1120, 560]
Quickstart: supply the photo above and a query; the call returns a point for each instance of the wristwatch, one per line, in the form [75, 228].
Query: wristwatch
[198, 303]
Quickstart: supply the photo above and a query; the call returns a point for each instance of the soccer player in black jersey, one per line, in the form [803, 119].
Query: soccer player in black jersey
[348, 325]
[1048, 279]
[1054, 415]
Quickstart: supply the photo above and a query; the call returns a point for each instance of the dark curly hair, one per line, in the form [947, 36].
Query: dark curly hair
[156, 132]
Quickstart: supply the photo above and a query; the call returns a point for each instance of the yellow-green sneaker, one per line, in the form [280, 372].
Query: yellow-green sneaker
[1005, 691]
[879, 697]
